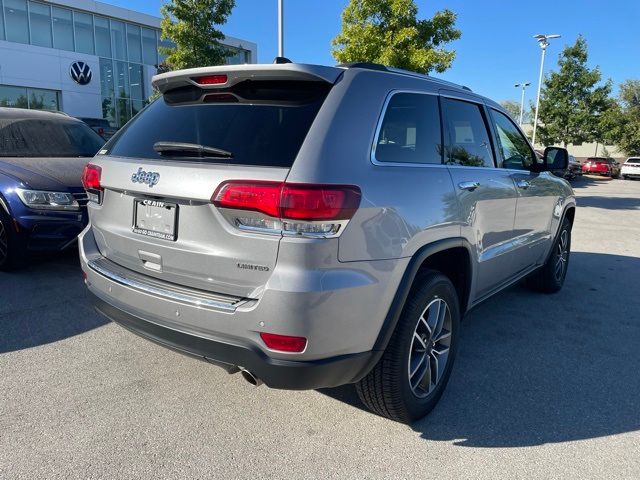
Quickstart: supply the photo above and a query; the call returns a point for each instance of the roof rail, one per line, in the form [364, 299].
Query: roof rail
[427, 77]
[367, 65]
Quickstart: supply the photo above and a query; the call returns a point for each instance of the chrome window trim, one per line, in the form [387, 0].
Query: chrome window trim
[372, 155]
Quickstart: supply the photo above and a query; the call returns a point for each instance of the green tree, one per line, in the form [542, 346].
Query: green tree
[191, 26]
[621, 123]
[388, 32]
[573, 99]
[513, 108]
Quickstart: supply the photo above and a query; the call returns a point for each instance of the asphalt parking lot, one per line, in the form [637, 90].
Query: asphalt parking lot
[544, 386]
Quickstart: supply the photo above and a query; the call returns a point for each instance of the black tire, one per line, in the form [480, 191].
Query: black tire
[12, 252]
[549, 279]
[387, 390]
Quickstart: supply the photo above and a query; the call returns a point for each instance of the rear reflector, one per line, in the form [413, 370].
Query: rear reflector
[284, 343]
[291, 201]
[91, 177]
[210, 80]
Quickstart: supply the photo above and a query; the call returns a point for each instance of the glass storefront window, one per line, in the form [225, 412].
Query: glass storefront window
[149, 46]
[118, 40]
[107, 85]
[103, 37]
[122, 79]
[15, 13]
[13, 97]
[109, 110]
[135, 81]
[43, 99]
[35, 98]
[62, 29]
[239, 57]
[2, 37]
[167, 44]
[40, 18]
[83, 27]
[134, 45]
[123, 111]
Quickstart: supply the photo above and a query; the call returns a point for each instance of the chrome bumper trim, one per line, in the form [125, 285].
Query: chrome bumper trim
[153, 287]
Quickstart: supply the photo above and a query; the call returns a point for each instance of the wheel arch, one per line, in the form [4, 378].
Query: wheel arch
[430, 256]
[448, 256]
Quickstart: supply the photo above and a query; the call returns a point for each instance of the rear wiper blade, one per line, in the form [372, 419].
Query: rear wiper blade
[191, 149]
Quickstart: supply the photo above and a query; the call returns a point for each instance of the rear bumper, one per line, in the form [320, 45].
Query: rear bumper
[225, 330]
[51, 231]
[275, 373]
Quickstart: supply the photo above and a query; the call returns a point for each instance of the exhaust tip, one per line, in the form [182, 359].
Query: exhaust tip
[250, 377]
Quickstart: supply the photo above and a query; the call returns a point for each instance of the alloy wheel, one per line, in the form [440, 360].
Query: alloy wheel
[430, 346]
[562, 255]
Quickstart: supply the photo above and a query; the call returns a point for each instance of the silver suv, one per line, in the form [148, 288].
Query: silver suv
[313, 226]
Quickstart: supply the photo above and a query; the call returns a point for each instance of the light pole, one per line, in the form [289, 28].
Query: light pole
[543, 41]
[280, 28]
[523, 85]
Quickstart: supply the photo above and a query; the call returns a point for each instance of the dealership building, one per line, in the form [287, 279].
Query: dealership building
[85, 58]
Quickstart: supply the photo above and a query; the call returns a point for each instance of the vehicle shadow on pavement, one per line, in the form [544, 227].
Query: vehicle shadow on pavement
[44, 302]
[535, 369]
[610, 203]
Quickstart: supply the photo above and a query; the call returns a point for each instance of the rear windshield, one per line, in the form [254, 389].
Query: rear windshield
[30, 137]
[257, 123]
[633, 160]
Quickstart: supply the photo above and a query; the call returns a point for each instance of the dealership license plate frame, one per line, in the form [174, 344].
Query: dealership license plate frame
[165, 210]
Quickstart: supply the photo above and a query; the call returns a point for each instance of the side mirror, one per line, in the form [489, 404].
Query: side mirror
[556, 158]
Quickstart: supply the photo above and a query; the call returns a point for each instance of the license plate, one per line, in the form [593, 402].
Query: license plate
[155, 219]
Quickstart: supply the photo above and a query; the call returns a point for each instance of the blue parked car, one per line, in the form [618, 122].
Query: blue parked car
[42, 201]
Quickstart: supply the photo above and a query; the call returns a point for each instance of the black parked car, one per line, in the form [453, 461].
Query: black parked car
[42, 201]
[101, 126]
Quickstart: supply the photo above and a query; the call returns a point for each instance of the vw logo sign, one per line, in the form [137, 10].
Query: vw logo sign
[80, 72]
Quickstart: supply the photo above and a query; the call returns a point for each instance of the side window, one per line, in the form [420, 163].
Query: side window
[410, 130]
[466, 138]
[515, 150]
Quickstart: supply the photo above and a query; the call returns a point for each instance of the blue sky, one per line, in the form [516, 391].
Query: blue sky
[496, 49]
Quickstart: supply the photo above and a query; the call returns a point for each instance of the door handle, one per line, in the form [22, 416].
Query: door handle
[523, 184]
[470, 186]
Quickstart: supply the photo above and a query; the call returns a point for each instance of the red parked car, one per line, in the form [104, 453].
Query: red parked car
[601, 166]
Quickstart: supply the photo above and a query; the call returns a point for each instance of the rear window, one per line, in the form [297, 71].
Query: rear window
[259, 123]
[633, 160]
[29, 137]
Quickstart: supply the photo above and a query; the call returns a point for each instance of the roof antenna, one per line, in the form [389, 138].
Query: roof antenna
[280, 29]
[281, 60]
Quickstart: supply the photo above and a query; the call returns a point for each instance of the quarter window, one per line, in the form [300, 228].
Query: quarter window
[514, 148]
[410, 130]
[466, 137]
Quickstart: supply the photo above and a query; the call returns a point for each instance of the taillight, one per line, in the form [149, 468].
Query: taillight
[284, 343]
[292, 208]
[210, 80]
[100, 131]
[91, 176]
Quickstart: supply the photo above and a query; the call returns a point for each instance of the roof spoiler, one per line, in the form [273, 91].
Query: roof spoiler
[238, 73]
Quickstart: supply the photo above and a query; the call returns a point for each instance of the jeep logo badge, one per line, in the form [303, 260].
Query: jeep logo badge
[150, 178]
[80, 73]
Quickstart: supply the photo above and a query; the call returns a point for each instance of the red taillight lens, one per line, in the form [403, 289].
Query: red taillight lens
[91, 177]
[210, 80]
[318, 202]
[292, 201]
[257, 196]
[284, 343]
